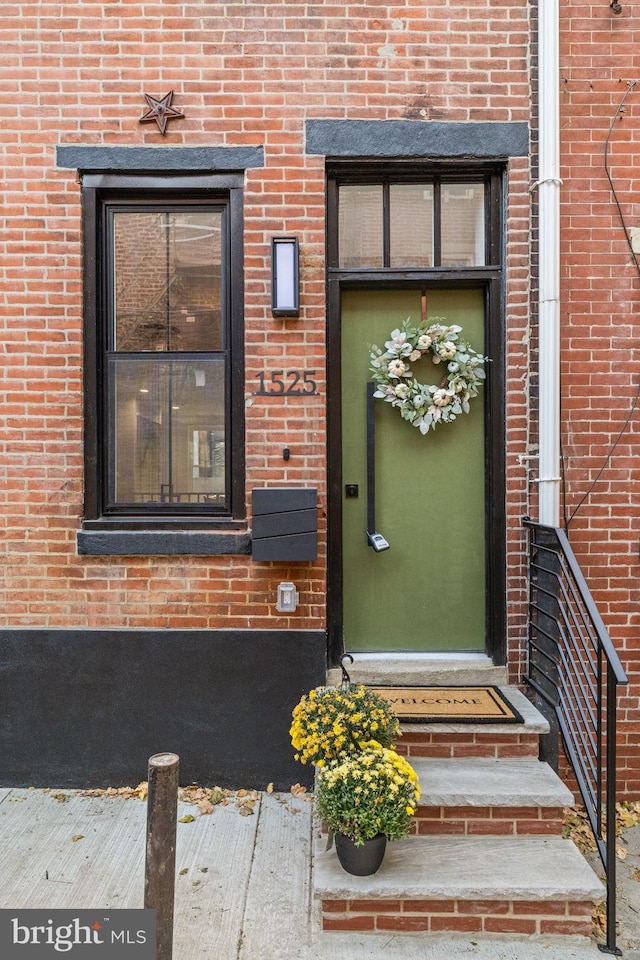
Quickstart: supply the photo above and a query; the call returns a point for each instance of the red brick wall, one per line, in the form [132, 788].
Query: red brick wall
[460, 916]
[600, 55]
[76, 72]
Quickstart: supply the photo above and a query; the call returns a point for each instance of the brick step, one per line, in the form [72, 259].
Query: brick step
[467, 740]
[485, 796]
[526, 886]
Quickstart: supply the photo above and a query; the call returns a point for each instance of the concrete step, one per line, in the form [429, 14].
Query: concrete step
[487, 856]
[443, 669]
[485, 796]
[494, 740]
[528, 886]
[486, 782]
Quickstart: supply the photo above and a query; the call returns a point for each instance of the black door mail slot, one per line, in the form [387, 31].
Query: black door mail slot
[285, 523]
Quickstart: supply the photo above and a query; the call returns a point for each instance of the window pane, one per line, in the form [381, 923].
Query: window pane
[411, 224]
[167, 431]
[167, 284]
[360, 226]
[462, 227]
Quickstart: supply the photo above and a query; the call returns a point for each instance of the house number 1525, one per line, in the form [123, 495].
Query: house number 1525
[293, 383]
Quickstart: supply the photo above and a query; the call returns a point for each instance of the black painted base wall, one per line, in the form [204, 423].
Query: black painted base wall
[87, 708]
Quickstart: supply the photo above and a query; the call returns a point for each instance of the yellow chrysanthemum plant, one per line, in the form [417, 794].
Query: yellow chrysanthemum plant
[365, 794]
[330, 721]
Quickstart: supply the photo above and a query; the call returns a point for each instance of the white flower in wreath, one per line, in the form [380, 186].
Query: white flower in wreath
[397, 368]
[398, 345]
[386, 392]
[426, 405]
[441, 397]
[447, 350]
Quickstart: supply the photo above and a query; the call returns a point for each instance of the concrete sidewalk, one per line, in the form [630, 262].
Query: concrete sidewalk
[243, 885]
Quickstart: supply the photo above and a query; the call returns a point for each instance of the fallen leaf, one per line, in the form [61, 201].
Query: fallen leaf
[242, 793]
[183, 871]
[269, 788]
[205, 806]
[77, 836]
[627, 814]
[188, 818]
[627, 818]
[599, 919]
[301, 793]
[191, 794]
[216, 795]
[140, 792]
[576, 827]
[636, 875]
[61, 797]
[246, 810]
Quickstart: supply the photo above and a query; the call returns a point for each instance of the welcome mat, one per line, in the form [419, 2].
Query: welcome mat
[485, 704]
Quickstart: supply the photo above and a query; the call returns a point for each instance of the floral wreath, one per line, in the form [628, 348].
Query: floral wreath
[427, 405]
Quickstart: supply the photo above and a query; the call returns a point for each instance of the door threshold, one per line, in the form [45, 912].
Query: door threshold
[420, 669]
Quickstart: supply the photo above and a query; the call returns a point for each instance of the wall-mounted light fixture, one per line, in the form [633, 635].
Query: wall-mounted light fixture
[285, 277]
[288, 597]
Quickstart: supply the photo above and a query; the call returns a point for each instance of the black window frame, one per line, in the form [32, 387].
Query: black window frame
[101, 194]
[436, 174]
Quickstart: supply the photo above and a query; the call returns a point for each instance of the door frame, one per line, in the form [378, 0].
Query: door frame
[491, 279]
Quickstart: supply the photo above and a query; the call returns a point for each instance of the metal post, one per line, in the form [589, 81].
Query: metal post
[612, 698]
[545, 660]
[160, 863]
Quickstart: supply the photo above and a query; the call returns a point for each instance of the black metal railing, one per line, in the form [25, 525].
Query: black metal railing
[575, 671]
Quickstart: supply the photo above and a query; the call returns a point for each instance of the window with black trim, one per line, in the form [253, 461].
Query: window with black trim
[163, 367]
[410, 224]
[409, 218]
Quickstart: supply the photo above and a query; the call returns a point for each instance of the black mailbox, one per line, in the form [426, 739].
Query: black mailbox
[285, 523]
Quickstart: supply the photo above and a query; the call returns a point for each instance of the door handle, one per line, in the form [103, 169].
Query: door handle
[374, 538]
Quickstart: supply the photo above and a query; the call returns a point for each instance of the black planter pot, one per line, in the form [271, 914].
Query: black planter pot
[360, 861]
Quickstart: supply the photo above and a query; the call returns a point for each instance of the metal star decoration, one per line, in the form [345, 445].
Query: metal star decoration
[160, 110]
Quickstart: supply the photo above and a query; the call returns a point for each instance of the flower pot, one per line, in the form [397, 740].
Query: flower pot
[360, 861]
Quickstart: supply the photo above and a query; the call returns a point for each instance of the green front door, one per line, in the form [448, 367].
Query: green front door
[427, 591]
